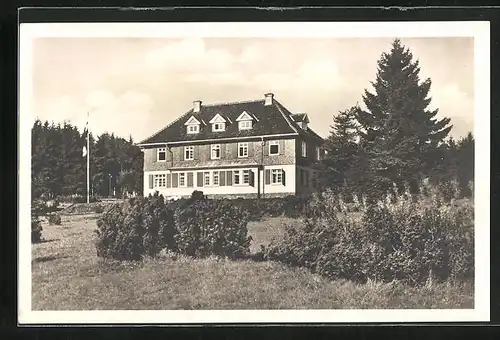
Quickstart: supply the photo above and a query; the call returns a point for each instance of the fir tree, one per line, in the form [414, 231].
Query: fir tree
[342, 150]
[398, 134]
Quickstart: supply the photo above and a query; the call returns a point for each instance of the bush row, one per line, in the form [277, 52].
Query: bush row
[198, 227]
[401, 238]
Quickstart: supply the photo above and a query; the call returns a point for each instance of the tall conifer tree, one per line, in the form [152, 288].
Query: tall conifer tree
[399, 134]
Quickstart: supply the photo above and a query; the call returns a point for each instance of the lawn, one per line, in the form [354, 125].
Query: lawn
[67, 275]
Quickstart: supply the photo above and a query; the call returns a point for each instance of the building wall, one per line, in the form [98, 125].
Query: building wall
[257, 154]
[305, 183]
[225, 188]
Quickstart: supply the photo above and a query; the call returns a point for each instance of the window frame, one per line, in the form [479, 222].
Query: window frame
[245, 125]
[191, 148]
[159, 179]
[243, 176]
[158, 151]
[206, 175]
[222, 127]
[244, 146]
[318, 153]
[214, 147]
[278, 172]
[196, 126]
[303, 149]
[274, 143]
[184, 179]
[214, 182]
[236, 173]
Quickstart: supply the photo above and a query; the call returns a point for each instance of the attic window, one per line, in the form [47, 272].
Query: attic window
[192, 125]
[245, 121]
[193, 128]
[218, 126]
[245, 125]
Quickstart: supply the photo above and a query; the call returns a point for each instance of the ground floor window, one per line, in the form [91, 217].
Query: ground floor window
[206, 177]
[160, 181]
[182, 179]
[215, 178]
[276, 176]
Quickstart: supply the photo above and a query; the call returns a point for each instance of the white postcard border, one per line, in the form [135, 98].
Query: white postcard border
[478, 30]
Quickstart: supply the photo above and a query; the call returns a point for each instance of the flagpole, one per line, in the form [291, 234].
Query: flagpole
[88, 160]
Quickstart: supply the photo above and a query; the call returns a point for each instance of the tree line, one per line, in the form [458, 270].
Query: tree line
[395, 139]
[59, 167]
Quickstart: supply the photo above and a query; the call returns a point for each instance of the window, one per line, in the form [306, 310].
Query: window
[245, 125]
[318, 153]
[246, 176]
[194, 128]
[160, 181]
[274, 147]
[304, 149]
[276, 176]
[188, 153]
[162, 155]
[242, 149]
[218, 126]
[215, 178]
[215, 151]
[236, 177]
[206, 178]
[182, 179]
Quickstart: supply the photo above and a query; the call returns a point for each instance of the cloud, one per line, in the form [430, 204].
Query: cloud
[228, 78]
[456, 104]
[188, 55]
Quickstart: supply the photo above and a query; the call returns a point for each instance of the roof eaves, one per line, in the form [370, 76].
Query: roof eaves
[144, 141]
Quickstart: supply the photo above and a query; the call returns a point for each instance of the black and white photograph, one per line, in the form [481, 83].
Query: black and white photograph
[254, 172]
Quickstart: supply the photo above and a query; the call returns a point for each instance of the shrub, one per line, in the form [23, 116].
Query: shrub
[54, 219]
[212, 227]
[399, 238]
[136, 228]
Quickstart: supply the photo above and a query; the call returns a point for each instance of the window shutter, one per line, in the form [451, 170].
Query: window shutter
[207, 152]
[268, 176]
[199, 178]
[196, 154]
[190, 179]
[169, 180]
[175, 180]
[282, 147]
[234, 150]
[251, 179]
[266, 148]
[283, 177]
[222, 178]
[150, 181]
[229, 177]
[250, 149]
[168, 155]
[223, 151]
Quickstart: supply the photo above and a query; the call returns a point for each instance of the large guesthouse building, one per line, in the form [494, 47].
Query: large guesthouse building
[243, 149]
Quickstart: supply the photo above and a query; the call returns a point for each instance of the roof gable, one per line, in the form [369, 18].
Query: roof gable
[217, 119]
[192, 121]
[244, 116]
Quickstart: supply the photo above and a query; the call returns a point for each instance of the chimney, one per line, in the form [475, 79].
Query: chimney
[269, 99]
[196, 106]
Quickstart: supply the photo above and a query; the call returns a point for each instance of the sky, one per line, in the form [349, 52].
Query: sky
[137, 86]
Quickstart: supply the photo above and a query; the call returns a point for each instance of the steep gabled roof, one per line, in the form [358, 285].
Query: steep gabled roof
[272, 119]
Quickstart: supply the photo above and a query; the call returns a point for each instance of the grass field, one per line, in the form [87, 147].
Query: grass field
[67, 275]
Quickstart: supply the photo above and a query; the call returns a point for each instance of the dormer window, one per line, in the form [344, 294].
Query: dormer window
[245, 121]
[193, 129]
[192, 125]
[245, 125]
[218, 123]
[218, 127]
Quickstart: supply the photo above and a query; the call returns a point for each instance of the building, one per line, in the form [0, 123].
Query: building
[244, 149]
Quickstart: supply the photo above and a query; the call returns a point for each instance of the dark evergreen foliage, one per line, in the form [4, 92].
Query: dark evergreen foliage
[59, 168]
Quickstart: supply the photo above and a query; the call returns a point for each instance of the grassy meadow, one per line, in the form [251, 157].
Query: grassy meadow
[68, 275]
